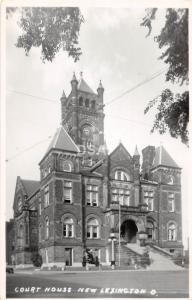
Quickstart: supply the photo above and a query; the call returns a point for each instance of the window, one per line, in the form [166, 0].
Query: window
[93, 104]
[80, 101]
[148, 199]
[121, 175]
[46, 196]
[92, 195]
[40, 229]
[150, 230]
[20, 235]
[67, 191]
[46, 227]
[65, 165]
[87, 102]
[40, 208]
[171, 232]
[171, 202]
[92, 229]
[19, 203]
[170, 180]
[68, 228]
[21, 231]
[121, 195]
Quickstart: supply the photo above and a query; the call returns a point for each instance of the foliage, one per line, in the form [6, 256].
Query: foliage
[145, 260]
[51, 28]
[178, 259]
[36, 259]
[173, 110]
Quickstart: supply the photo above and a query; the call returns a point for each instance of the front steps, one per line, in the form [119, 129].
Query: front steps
[130, 252]
[127, 255]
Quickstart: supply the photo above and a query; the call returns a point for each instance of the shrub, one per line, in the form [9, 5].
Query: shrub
[178, 259]
[36, 259]
[84, 261]
[145, 260]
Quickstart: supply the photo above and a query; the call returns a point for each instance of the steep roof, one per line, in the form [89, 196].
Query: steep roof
[162, 157]
[30, 186]
[120, 148]
[62, 141]
[83, 86]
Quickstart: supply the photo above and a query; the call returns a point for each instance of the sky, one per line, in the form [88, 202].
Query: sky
[116, 51]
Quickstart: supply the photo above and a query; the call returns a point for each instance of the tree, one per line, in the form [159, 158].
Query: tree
[51, 28]
[172, 110]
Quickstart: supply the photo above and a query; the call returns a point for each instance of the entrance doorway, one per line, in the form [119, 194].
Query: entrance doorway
[68, 256]
[128, 231]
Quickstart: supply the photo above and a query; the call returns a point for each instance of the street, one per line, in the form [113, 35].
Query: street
[126, 284]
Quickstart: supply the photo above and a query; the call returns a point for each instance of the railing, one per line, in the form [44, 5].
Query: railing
[163, 251]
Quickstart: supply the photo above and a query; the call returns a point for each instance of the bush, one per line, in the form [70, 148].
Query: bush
[145, 260]
[178, 259]
[36, 259]
[84, 261]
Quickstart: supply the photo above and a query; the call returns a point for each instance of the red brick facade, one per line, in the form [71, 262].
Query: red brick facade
[75, 205]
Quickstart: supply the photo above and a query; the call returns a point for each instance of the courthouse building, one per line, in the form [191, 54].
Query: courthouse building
[85, 193]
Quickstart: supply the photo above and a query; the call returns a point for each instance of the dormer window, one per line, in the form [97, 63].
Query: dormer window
[121, 175]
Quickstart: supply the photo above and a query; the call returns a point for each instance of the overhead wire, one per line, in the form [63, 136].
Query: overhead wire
[153, 76]
[27, 149]
[108, 103]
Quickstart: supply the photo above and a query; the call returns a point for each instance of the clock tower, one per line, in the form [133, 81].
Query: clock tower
[83, 118]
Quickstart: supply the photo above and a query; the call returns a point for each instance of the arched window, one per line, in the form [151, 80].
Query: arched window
[93, 229]
[80, 101]
[87, 102]
[172, 235]
[21, 231]
[121, 175]
[47, 228]
[68, 228]
[19, 203]
[65, 165]
[93, 104]
[21, 235]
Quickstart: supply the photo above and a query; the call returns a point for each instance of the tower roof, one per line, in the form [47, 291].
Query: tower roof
[62, 141]
[83, 86]
[163, 158]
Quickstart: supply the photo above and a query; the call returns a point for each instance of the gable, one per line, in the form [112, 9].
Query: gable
[122, 160]
[24, 189]
[19, 193]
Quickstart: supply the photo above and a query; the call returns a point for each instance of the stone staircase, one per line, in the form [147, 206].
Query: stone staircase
[160, 260]
[127, 255]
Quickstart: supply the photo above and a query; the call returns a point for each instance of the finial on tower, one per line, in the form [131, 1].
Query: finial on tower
[81, 74]
[136, 153]
[63, 95]
[100, 85]
[100, 89]
[74, 77]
